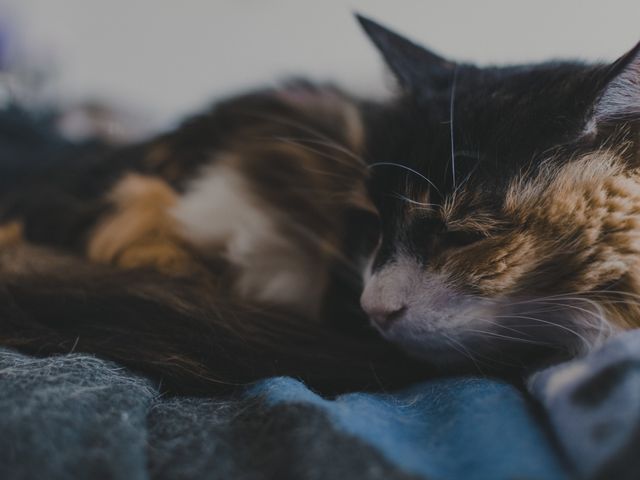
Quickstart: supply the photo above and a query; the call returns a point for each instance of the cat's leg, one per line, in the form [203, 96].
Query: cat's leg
[139, 231]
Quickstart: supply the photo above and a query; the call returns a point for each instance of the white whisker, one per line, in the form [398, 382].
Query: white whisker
[451, 118]
[428, 206]
[321, 142]
[463, 350]
[305, 128]
[506, 337]
[399, 165]
[546, 322]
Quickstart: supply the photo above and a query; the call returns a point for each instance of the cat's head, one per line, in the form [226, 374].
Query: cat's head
[509, 204]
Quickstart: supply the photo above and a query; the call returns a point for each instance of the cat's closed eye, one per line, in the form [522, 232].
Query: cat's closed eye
[430, 232]
[462, 238]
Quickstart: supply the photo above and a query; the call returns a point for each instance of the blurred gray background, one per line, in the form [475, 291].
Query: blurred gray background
[166, 57]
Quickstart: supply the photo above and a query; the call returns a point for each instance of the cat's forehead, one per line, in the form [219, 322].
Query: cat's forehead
[498, 117]
[524, 79]
[510, 93]
[489, 126]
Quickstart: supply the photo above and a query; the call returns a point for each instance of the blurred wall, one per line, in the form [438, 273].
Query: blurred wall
[170, 56]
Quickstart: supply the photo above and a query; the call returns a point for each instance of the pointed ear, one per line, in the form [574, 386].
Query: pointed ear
[415, 67]
[620, 97]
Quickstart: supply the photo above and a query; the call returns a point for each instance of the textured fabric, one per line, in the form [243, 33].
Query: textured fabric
[449, 429]
[593, 404]
[75, 417]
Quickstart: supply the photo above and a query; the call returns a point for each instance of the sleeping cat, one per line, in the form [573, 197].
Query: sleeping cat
[509, 201]
[504, 209]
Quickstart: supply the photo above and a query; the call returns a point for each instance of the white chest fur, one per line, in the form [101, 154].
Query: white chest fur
[221, 212]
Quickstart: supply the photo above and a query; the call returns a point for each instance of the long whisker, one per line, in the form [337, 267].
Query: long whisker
[577, 295]
[451, 118]
[562, 306]
[305, 128]
[470, 174]
[546, 322]
[513, 328]
[325, 143]
[615, 292]
[506, 337]
[597, 313]
[463, 350]
[399, 165]
[302, 144]
[485, 360]
[580, 309]
[427, 206]
[336, 146]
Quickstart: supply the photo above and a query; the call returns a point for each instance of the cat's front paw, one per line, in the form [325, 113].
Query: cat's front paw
[139, 232]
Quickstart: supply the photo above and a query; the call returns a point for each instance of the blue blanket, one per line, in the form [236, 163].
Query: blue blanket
[75, 417]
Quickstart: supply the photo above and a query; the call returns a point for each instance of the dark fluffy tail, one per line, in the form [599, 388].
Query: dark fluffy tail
[176, 332]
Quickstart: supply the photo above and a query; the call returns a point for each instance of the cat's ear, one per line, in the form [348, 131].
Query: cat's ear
[619, 99]
[415, 67]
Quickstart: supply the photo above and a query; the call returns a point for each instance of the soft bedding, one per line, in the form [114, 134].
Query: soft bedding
[76, 416]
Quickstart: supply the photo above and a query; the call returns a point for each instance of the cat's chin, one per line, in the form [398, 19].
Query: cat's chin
[486, 347]
[473, 355]
[437, 349]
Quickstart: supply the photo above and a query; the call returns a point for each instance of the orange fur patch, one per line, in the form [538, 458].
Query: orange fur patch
[590, 208]
[11, 234]
[574, 229]
[140, 232]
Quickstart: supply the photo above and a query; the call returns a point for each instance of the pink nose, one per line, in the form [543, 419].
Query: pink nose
[382, 313]
[385, 318]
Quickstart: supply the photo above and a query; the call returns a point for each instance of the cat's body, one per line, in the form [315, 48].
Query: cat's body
[260, 186]
[210, 256]
[74, 205]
